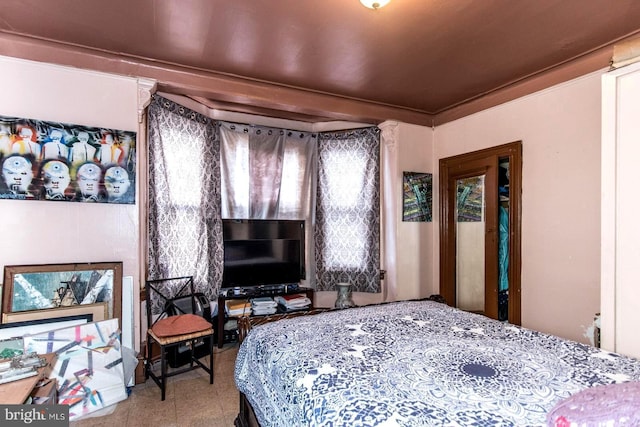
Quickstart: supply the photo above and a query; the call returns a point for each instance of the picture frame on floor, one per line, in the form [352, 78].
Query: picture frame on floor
[56, 290]
[92, 312]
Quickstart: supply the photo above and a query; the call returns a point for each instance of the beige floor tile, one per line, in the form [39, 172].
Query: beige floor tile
[230, 401]
[190, 402]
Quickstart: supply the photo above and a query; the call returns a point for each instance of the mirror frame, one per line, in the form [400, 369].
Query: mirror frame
[11, 272]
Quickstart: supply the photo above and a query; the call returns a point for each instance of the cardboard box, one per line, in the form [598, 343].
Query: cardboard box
[17, 392]
[139, 375]
[45, 392]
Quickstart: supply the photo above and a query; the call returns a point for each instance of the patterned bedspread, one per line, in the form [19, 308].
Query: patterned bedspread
[418, 363]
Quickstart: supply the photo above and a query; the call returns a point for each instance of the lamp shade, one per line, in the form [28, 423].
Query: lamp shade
[374, 4]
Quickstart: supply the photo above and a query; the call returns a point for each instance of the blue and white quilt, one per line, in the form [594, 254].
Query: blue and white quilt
[417, 363]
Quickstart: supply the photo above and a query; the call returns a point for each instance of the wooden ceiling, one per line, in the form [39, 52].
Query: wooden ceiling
[418, 61]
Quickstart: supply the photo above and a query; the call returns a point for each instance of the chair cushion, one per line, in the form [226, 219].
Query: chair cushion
[180, 325]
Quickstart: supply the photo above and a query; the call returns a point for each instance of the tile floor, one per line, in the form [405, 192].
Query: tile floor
[190, 400]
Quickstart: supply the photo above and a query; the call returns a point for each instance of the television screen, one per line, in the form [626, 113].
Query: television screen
[263, 252]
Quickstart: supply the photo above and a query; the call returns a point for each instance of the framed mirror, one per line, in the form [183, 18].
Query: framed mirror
[57, 287]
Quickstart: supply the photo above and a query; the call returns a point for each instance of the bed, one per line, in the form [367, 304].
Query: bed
[413, 363]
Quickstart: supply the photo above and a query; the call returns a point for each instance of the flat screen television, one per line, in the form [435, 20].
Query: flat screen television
[263, 252]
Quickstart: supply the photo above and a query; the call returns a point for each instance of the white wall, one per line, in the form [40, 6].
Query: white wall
[415, 240]
[560, 132]
[45, 232]
[620, 205]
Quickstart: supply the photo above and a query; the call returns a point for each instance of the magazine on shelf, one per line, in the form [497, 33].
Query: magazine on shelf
[261, 306]
[238, 307]
[267, 301]
[294, 297]
[293, 302]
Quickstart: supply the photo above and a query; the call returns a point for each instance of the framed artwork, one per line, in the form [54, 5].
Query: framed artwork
[18, 328]
[64, 162]
[92, 312]
[9, 348]
[417, 191]
[54, 289]
[89, 367]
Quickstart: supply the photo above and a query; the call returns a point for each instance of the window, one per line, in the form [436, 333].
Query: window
[347, 232]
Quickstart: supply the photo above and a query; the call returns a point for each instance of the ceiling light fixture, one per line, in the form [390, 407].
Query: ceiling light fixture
[374, 4]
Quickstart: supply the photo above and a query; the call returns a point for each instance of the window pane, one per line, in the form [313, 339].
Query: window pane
[184, 169]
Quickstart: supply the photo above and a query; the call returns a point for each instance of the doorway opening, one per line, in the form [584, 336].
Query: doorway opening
[480, 224]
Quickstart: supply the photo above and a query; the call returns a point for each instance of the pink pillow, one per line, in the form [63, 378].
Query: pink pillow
[613, 404]
[180, 325]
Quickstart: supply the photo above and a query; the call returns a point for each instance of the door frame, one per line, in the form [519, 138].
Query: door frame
[455, 167]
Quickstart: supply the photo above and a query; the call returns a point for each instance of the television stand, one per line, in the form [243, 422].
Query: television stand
[254, 292]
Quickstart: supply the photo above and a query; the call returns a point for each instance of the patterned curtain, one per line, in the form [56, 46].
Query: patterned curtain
[185, 229]
[347, 231]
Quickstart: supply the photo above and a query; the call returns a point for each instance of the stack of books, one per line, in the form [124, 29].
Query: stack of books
[263, 306]
[238, 307]
[293, 302]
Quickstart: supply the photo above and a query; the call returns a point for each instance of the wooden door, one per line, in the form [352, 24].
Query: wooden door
[469, 226]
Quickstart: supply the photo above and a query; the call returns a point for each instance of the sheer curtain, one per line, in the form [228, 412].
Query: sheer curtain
[185, 230]
[266, 173]
[269, 173]
[347, 229]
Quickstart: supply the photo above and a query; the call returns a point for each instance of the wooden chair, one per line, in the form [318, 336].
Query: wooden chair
[170, 325]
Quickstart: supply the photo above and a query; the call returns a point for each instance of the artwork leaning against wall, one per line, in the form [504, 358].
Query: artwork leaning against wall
[55, 289]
